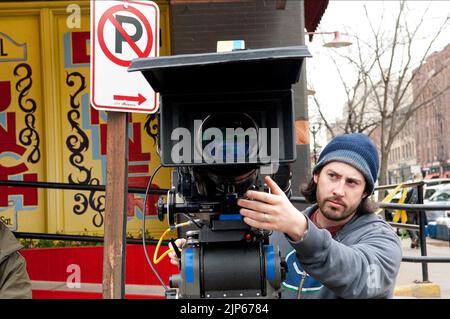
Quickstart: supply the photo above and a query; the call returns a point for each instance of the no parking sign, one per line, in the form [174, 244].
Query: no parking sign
[120, 32]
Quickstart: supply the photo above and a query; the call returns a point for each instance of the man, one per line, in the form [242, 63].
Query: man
[337, 248]
[14, 280]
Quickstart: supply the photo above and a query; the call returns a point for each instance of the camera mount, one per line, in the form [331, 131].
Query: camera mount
[223, 118]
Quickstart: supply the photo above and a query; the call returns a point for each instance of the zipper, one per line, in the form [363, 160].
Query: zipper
[300, 286]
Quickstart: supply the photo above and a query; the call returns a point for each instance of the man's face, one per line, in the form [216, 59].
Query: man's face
[340, 189]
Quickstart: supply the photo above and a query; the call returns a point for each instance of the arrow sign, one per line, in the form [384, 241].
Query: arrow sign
[140, 98]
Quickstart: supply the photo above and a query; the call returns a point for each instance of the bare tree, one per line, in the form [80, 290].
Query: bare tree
[360, 114]
[381, 96]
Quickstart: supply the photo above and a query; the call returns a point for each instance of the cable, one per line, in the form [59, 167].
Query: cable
[157, 260]
[195, 222]
[143, 229]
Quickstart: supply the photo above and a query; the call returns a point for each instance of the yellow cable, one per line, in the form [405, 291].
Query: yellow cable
[164, 254]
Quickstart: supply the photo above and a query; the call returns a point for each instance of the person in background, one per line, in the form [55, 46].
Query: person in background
[413, 216]
[14, 280]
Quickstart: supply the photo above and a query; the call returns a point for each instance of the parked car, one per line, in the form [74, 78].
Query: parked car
[430, 190]
[440, 196]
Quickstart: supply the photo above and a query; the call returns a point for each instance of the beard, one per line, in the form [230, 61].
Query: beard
[336, 211]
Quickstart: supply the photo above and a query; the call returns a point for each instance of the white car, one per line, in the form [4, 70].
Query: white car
[440, 196]
[430, 190]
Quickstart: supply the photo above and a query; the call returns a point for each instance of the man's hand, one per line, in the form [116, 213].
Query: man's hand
[273, 211]
[174, 260]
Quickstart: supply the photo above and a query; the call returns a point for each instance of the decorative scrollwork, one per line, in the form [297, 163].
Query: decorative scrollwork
[78, 144]
[151, 126]
[81, 208]
[28, 136]
[78, 141]
[97, 203]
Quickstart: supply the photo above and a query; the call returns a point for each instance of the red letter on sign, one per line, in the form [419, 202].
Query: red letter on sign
[79, 47]
[9, 144]
[8, 136]
[135, 146]
[30, 195]
[5, 95]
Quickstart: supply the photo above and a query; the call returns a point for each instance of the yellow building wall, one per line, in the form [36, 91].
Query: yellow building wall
[49, 132]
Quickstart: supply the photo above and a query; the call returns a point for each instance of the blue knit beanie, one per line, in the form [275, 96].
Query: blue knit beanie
[356, 150]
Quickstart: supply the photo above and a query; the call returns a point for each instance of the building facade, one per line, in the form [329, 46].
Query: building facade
[432, 132]
[402, 161]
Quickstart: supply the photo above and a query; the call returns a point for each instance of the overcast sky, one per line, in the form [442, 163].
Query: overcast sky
[349, 16]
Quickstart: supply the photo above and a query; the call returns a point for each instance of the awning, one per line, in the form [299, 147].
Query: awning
[314, 10]
[432, 175]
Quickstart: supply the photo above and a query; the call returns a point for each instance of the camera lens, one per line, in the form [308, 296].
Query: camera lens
[221, 179]
[228, 138]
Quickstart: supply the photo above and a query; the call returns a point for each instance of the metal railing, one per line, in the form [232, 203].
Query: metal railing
[80, 238]
[418, 208]
[82, 187]
[79, 187]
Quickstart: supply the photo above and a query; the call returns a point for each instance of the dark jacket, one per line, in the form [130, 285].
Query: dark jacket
[362, 261]
[14, 280]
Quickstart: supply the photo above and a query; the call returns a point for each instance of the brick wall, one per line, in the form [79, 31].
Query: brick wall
[196, 28]
[432, 130]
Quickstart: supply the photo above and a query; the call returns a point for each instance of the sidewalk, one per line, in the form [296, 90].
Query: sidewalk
[438, 273]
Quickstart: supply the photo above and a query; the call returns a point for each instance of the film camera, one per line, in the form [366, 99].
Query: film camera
[225, 120]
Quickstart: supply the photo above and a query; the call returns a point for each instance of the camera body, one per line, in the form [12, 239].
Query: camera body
[225, 120]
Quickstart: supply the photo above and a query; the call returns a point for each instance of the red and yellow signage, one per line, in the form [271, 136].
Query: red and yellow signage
[49, 132]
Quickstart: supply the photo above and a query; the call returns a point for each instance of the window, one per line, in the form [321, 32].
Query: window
[441, 197]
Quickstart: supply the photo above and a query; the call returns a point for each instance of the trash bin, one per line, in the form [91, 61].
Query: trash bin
[432, 229]
[442, 232]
